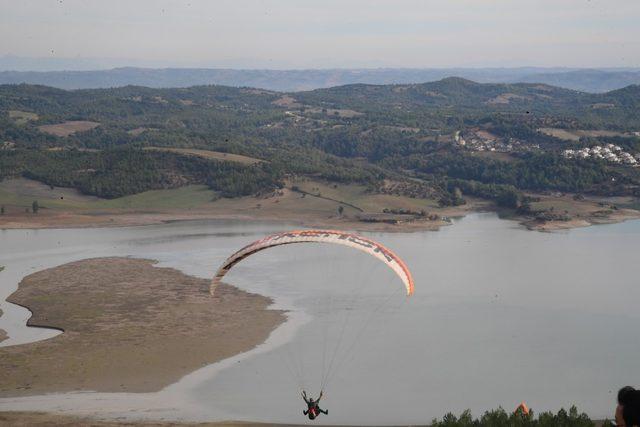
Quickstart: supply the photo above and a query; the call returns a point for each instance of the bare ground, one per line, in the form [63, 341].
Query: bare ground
[68, 128]
[126, 327]
[42, 419]
[208, 154]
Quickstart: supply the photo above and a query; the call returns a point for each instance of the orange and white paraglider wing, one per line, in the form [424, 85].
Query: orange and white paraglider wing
[320, 236]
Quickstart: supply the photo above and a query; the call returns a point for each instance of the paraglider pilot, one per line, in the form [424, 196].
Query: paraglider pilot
[313, 410]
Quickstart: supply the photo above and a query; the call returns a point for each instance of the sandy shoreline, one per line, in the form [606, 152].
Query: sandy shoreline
[57, 219]
[91, 220]
[23, 419]
[126, 327]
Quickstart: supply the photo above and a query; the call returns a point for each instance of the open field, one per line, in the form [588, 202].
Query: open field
[22, 192]
[22, 117]
[199, 202]
[68, 128]
[576, 134]
[371, 203]
[207, 154]
[494, 155]
[338, 112]
[125, 324]
[506, 98]
[63, 207]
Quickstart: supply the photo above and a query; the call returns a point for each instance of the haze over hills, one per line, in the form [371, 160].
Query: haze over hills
[586, 80]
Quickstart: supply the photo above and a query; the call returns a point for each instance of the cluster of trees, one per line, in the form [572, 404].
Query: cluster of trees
[500, 418]
[546, 171]
[504, 195]
[116, 173]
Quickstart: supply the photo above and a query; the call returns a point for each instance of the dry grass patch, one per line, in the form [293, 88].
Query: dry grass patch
[506, 98]
[338, 112]
[565, 134]
[140, 130]
[287, 101]
[23, 191]
[22, 117]
[576, 134]
[68, 128]
[207, 154]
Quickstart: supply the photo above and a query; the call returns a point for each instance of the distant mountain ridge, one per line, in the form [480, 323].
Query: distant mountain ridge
[585, 80]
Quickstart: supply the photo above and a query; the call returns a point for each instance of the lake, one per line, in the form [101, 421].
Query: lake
[500, 315]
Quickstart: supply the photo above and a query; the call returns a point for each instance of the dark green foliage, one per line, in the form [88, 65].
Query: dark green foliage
[398, 132]
[116, 173]
[533, 172]
[500, 418]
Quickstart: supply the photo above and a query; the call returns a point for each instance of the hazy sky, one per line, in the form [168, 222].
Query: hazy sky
[327, 33]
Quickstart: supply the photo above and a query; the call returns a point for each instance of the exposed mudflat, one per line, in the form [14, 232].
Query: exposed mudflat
[128, 326]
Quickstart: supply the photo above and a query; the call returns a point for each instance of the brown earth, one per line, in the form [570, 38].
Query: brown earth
[41, 419]
[126, 327]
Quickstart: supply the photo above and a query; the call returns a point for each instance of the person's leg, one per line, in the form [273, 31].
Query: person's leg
[305, 412]
[324, 411]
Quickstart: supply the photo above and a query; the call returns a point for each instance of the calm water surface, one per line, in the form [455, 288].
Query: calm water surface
[500, 315]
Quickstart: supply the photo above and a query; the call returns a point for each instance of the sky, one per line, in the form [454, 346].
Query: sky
[285, 34]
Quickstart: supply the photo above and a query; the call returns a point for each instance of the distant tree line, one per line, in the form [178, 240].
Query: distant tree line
[500, 418]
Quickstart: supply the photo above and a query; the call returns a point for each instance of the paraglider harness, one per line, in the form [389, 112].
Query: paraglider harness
[313, 410]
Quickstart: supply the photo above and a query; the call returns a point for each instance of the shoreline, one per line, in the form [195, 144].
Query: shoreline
[128, 219]
[551, 226]
[135, 219]
[314, 204]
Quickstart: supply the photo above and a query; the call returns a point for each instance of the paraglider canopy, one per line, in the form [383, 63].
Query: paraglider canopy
[522, 408]
[369, 246]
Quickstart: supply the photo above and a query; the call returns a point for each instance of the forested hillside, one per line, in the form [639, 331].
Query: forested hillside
[446, 138]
